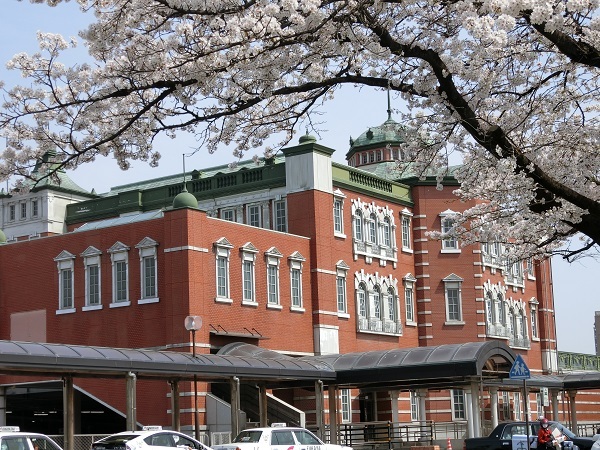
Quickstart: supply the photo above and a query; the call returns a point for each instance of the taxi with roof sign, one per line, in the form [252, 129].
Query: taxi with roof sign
[278, 437]
[149, 438]
[12, 438]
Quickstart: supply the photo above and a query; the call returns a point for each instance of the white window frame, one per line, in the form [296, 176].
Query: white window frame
[453, 283]
[414, 407]
[377, 303]
[386, 232]
[406, 228]
[250, 213]
[338, 213]
[228, 214]
[517, 403]
[296, 288]
[65, 265]
[358, 226]
[278, 207]
[222, 248]
[341, 288]
[148, 251]
[248, 255]
[35, 211]
[409, 303]
[533, 319]
[296, 261]
[530, 269]
[12, 212]
[272, 259]
[447, 221]
[457, 398]
[23, 212]
[119, 254]
[362, 302]
[92, 258]
[372, 226]
[346, 405]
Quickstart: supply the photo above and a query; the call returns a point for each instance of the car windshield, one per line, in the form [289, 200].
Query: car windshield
[564, 430]
[117, 439]
[252, 436]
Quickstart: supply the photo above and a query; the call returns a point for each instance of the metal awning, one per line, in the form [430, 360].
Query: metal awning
[27, 358]
[443, 365]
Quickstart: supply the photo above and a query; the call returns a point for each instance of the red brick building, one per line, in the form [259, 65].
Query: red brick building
[297, 254]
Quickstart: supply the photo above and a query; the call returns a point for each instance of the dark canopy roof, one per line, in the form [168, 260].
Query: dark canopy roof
[84, 361]
[449, 364]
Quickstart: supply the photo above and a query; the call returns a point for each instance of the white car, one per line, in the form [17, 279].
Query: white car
[149, 438]
[278, 437]
[11, 438]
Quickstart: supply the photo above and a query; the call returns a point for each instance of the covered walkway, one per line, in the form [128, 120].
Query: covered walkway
[469, 366]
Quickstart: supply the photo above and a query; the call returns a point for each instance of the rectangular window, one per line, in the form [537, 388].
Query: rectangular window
[248, 280]
[23, 210]
[534, 326]
[338, 225]
[11, 212]
[272, 285]
[121, 281]
[93, 285]
[517, 405]
[66, 288]
[410, 306]
[505, 406]
[296, 281]
[341, 294]
[149, 288]
[254, 215]
[346, 406]
[222, 284]
[450, 243]
[458, 404]
[453, 302]
[280, 216]
[414, 406]
[406, 232]
[530, 268]
[34, 208]
[228, 214]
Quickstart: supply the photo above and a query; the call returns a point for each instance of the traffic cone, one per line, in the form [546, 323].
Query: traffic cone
[449, 444]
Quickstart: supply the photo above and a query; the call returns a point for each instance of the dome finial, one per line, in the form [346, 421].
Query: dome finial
[184, 199]
[389, 110]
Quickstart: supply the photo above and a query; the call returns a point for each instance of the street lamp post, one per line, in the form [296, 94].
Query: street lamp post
[193, 324]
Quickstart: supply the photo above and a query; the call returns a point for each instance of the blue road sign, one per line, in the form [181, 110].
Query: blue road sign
[519, 370]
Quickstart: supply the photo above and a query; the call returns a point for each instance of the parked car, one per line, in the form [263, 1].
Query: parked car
[149, 438]
[11, 438]
[278, 437]
[502, 436]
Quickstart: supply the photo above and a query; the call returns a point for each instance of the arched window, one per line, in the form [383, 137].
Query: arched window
[377, 302]
[501, 310]
[392, 313]
[358, 226]
[362, 300]
[372, 228]
[490, 308]
[386, 231]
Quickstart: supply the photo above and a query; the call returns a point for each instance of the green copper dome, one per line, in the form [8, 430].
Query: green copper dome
[389, 132]
[307, 138]
[185, 200]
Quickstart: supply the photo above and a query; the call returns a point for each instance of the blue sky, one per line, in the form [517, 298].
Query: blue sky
[576, 296]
